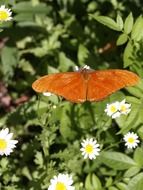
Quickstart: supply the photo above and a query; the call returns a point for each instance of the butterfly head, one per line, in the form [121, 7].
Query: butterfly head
[86, 67]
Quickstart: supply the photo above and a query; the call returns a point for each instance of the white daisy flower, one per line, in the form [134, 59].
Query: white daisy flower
[131, 140]
[5, 14]
[90, 149]
[113, 110]
[124, 108]
[47, 93]
[6, 144]
[61, 182]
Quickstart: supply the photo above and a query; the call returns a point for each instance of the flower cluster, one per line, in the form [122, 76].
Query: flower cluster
[5, 14]
[116, 109]
[90, 149]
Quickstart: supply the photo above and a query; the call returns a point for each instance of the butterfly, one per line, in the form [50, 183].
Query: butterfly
[85, 84]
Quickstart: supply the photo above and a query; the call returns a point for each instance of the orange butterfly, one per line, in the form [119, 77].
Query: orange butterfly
[85, 84]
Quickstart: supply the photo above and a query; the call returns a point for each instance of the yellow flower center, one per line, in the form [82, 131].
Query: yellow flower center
[113, 109]
[131, 140]
[3, 15]
[60, 186]
[3, 144]
[89, 149]
[123, 108]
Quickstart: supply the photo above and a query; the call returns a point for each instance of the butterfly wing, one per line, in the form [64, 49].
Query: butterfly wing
[103, 83]
[70, 85]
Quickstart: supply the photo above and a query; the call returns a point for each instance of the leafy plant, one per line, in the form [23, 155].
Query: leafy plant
[55, 36]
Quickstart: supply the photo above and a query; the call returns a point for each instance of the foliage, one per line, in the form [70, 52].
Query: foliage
[55, 36]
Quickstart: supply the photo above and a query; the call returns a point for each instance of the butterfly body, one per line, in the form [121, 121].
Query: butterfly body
[85, 84]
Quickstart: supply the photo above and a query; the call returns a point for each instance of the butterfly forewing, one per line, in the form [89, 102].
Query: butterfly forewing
[103, 83]
[70, 85]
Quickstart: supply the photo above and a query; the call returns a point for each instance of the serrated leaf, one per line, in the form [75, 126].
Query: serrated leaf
[136, 183]
[120, 22]
[26, 173]
[128, 25]
[117, 160]
[136, 33]
[107, 21]
[122, 39]
[39, 159]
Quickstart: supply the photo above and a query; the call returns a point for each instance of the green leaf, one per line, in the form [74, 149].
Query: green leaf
[136, 183]
[140, 132]
[135, 91]
[26, 66]
[107, 21]
[112, 188]
[82, 54]
[117, 160]
[133, 100]
[25, 7]
[138, 156]
[65, 62]
[137, 28]
[122, 39]
[120, 22]
[132, 171]
[39, 159]
[23, 17]
[128, 25]
[127, 56]
[96, 182]
[9, 57]
[130, 121]
[109, 182]
[121, 186]
[92, 182]
[26, 173]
